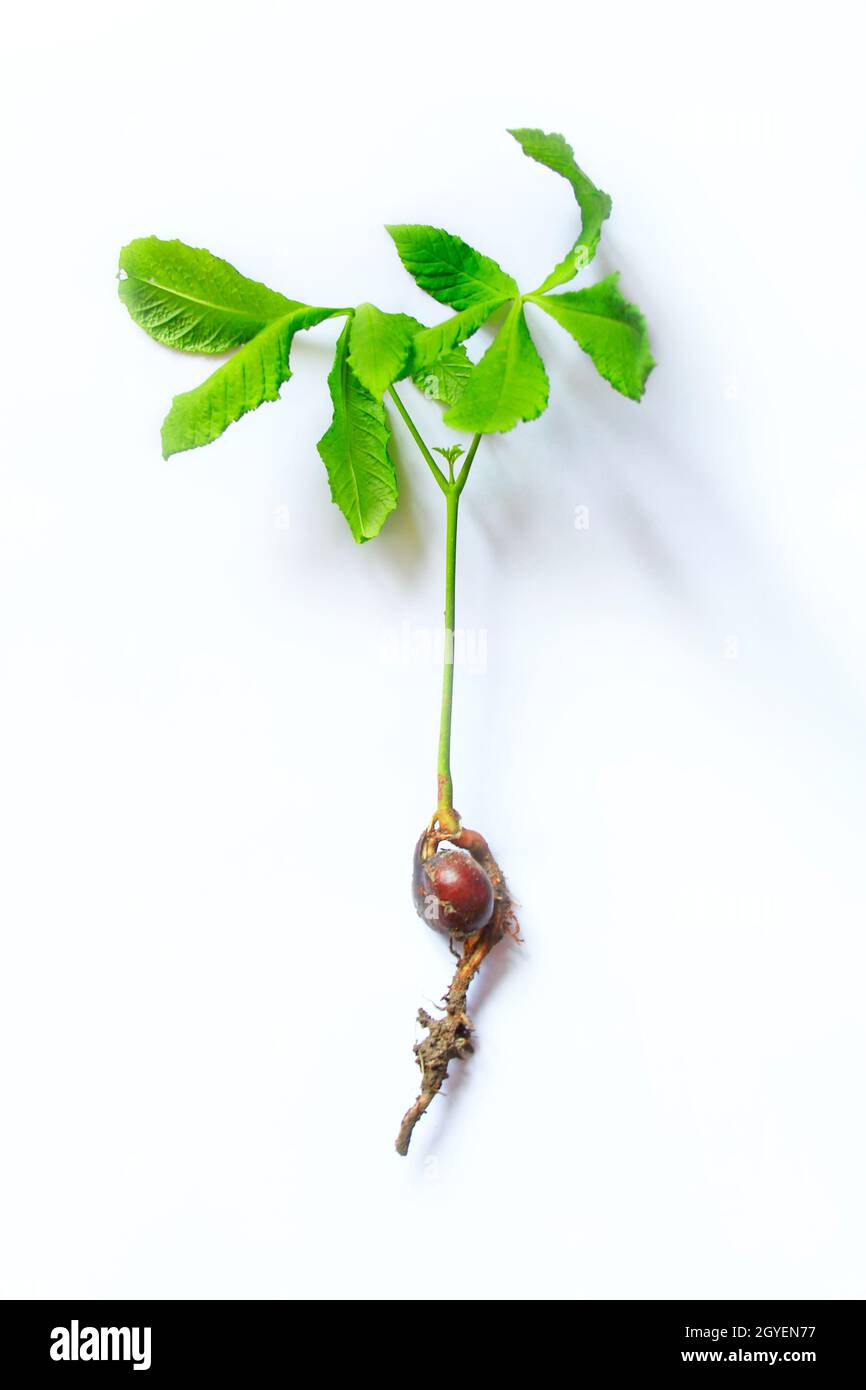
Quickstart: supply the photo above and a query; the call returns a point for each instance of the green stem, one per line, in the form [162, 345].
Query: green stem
[445, 813]
[410, 425]
[452, 487]
[448, 819]
[467, 463]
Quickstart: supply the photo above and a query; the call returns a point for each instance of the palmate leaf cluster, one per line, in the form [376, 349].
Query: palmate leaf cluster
[189, 299]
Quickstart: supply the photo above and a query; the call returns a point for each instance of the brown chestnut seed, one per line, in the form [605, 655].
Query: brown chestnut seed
[451, 890]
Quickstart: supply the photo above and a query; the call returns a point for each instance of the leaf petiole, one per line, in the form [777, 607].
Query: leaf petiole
[426, 454]
[467, 464]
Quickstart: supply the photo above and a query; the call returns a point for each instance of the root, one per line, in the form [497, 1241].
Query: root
[450, 1037]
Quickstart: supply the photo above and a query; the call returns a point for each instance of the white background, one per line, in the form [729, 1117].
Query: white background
[213, 777]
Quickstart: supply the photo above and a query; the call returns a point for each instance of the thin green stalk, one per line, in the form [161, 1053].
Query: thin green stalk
[445, 812]
[410, 425]
[447, 816]
[452, 488]
[467, 463]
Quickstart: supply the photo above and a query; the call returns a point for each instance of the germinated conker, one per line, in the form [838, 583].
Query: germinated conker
[451, 890]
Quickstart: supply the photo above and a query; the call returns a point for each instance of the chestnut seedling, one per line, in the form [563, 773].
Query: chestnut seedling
[189, 299]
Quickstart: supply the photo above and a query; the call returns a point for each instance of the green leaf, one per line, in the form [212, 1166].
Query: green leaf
[509, 383]
[611, 330]
[448, 269]
[187, 298]
[379, 347]
[431, 343]
[451, 453]
[445, 379]
[354, 450]
[253, 375]
[555, 152]
[381, 351]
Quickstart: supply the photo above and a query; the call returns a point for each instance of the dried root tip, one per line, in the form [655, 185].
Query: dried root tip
[450, 1037]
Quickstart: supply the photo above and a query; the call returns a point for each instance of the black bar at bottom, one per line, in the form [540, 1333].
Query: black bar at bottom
[240, 1341]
